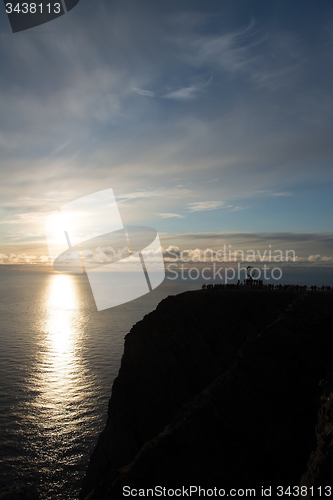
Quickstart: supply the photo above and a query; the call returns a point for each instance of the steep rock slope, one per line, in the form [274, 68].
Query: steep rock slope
[218, 388]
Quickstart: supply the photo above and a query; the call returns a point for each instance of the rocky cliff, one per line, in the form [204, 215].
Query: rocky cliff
[220, 388]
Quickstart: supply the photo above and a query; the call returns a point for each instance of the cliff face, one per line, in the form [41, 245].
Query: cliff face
[217, 388]
[320, 466]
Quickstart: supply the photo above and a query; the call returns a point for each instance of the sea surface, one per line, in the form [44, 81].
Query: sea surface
[58, 359]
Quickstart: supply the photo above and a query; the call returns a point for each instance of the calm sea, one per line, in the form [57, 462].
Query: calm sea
[58, 359]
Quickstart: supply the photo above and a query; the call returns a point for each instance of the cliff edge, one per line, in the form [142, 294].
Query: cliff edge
[220, 388]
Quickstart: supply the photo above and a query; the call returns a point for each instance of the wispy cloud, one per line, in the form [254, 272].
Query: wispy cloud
[202, 206]
[189, 93]
[250, 51]
[283, 193]
[171, 215]
[237, 209]
[229, 50]
[147, 93]
[184, 94]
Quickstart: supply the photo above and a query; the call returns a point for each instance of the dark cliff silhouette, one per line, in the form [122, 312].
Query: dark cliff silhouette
[222, 389]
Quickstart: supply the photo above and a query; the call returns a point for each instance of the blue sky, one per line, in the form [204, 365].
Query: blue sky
[203, 116]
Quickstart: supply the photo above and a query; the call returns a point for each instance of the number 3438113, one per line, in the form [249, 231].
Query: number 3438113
[33, 8]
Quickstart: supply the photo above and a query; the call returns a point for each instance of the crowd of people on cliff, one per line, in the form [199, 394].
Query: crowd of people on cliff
[258, 284]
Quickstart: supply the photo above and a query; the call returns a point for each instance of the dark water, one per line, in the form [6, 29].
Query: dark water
[58, 359]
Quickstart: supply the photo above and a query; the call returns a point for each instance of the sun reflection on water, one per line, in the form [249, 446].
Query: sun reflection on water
[61, 379]
[61, 305]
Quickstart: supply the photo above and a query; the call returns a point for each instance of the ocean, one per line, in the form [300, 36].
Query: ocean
[58, 359]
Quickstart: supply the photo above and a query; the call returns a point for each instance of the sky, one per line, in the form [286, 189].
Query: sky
[211, 121]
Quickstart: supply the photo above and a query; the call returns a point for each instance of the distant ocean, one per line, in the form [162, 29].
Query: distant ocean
[58, 359]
